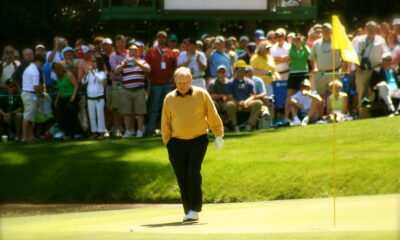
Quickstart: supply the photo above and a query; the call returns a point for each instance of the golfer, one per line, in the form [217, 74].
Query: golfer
[188, 113]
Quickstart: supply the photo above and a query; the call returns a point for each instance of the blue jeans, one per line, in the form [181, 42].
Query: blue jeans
[155, 103]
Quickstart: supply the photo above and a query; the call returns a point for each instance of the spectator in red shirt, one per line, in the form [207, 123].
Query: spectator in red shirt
[162, 63]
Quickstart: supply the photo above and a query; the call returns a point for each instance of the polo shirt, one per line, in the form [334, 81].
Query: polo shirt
[259, 85]
[58, 57]
[217, 87]
[373, 49]
[133, 75]
[321, 54]
[190, 116]
[193, 65]
[218, 58]
[306, 101]
[8, 70]
[299, 59]
[10, 103]
[154, 57]
[277, 51]
[30, 78]
[390, 79]
[264, 64]
[116, 59]
[240, 89]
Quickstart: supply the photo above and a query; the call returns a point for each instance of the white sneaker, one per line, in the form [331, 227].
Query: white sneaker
[127, 134]
[118, 133]
[296, 121]
[248, 127]
[305, 121]
[292, 3]
[192, 216]
[139, 133]
[236, 129]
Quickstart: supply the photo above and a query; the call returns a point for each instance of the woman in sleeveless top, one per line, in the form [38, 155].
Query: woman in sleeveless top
[66, 101]
[337, 103]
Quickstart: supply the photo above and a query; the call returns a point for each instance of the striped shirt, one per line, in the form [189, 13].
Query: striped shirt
[133, 76]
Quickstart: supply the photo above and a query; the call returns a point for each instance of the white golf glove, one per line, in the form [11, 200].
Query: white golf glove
[219, 143]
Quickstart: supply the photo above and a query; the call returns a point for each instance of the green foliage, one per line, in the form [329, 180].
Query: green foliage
[285, 163]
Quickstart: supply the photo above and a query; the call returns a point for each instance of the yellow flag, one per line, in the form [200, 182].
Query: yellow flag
[342, 42]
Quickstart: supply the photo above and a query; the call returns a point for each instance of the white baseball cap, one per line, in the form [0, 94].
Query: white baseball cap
[107, 41]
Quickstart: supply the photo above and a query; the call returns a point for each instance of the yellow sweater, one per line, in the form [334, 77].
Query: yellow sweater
[190, 116]
[264, 64]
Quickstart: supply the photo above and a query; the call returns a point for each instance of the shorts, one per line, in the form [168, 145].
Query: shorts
[295, 80]
[133, 101]
[321, 82]
[30, 101]
[116, 95]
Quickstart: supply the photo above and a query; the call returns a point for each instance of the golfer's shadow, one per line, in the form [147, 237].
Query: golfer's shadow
[173, 224]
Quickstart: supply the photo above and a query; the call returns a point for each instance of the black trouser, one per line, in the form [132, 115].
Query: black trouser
[68, 113]
[186, 157]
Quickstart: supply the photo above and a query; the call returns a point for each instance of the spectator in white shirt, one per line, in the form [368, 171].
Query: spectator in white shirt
[8, 65]
[196, 61]
[95, 78]
[56, 54]
[280, 53]
[32, 83]
[304, 104]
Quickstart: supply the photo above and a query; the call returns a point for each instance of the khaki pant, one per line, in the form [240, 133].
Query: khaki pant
[363, 80]
[82, 114]
[320, 82]
[116, 95]
[254, 108]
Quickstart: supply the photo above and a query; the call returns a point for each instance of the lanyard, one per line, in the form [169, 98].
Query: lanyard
[367, 43]
[162, 53]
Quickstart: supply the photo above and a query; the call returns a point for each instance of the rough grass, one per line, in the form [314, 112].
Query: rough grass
[284, 163]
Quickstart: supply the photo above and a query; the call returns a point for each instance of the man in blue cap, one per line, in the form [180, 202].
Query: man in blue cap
[259, 36]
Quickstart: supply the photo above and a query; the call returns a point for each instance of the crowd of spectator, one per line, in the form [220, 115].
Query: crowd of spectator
[116, 87]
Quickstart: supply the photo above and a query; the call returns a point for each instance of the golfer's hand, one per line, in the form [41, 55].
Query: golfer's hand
[219, 143]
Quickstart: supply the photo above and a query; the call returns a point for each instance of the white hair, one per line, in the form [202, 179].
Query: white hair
[182, 71]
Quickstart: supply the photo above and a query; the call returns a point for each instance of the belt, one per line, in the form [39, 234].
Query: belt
[331, 70]
[28, 91]
[286, 71]
[133, 89]
[95, 98]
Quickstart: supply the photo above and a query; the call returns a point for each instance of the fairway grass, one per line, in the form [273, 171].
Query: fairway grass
[364, 217]
[271, 164]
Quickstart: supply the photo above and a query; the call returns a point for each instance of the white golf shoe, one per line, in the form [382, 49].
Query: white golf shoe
[192, 216]
[305, 121]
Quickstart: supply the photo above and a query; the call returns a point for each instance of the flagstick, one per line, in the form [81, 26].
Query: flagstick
[334, 139]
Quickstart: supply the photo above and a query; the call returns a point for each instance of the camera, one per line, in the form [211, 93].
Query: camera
[130, 62]
[365, 64]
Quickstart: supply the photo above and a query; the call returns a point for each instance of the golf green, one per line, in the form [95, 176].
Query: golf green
[362, 217]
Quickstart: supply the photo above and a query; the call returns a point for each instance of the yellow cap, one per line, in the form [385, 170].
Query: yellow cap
[240, 64]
